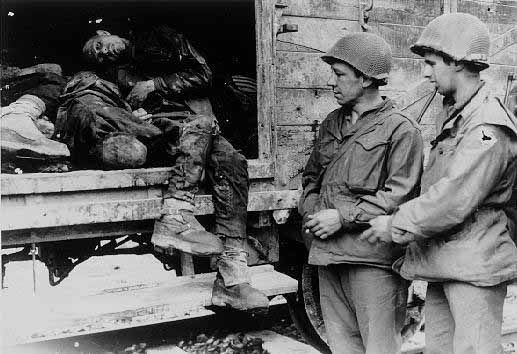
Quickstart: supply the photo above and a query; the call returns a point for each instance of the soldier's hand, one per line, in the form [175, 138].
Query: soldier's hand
[380, 230]
[139, 93]
[324, 223]
[402, 237]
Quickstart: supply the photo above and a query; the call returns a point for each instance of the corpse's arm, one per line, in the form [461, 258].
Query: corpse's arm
[193, 76]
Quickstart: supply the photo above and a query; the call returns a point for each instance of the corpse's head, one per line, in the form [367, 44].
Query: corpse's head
[105, 48]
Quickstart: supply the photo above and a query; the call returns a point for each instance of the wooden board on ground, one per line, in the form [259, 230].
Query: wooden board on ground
[27, 318]
[276, 343]
[165, 349]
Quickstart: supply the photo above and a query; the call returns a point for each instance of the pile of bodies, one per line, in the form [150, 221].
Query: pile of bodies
[124, 110]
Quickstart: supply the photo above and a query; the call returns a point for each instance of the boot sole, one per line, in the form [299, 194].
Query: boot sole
[218, 302]
[185, 247]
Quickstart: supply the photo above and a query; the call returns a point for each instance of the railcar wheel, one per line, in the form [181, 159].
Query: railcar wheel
[305, 310]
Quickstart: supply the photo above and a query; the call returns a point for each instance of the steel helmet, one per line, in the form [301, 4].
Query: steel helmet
[366, 52]
[461, 36]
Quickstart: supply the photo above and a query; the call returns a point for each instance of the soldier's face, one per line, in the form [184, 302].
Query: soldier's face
[439, 73]
[107, 48]
[346, 85]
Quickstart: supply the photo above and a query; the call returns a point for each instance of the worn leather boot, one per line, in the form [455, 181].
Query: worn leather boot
[240, 296]
[179, 229]
[232, 285]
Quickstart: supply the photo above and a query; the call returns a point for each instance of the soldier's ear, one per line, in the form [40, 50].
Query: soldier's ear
[459, 66]
[367, 81]
[102, 33]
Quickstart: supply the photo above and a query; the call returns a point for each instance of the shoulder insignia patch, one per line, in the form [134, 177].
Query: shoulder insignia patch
[487, 138]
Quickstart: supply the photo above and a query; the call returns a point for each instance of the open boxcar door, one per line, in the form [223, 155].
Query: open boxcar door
[85, 208]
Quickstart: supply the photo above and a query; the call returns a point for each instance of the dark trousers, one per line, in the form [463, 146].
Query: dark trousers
[199, 154]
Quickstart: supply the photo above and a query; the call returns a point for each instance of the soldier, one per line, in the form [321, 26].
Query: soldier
[367, 160]
[456, 232]
[162, 71]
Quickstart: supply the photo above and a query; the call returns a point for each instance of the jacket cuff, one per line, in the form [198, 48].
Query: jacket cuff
[401, 222]
[347, 214]
[404, 238]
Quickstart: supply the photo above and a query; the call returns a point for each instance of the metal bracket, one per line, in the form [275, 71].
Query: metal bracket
[260, 219]
[364, 15]
[287, 27]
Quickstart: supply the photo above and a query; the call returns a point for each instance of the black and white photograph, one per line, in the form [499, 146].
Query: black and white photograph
[258, 176]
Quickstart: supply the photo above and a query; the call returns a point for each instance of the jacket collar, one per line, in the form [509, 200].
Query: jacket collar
[345, 114]
[479, 109]
[455, 110]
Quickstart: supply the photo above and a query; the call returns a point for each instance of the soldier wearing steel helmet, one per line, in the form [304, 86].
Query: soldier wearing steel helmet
[367, 160]
[456, 231]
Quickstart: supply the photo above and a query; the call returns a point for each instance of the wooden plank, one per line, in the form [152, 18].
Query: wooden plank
[319, 34]
[490, 12]
[165, 349]
[499, 16]
[417, 12]
[82, 180]
[87, 212]
[264, 14]
[503, 49]
[316, 33]
[307, 70]
[496, 76]
[20, 237]
[31, 183]
[307, 105]
[399, 37]
[295, 145]
[303, 106]
[276, 343]
[500, 2]
[54, 315]
[450, 6]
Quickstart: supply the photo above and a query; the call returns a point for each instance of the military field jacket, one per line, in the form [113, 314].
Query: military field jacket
[178, 70]
[92, 109]
[461, 228]
[362, 170]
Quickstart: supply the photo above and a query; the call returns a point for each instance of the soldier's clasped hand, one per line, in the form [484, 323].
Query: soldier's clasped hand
[324, 223]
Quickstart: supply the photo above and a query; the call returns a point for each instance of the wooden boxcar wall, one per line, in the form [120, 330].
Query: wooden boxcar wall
[302, 95]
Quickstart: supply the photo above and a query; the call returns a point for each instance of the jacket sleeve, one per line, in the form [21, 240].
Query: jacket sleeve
[194, 76]
[478, 163]
[404, 167]
[311, 181]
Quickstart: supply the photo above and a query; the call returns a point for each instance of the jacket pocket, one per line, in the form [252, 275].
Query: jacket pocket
[365, 173]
